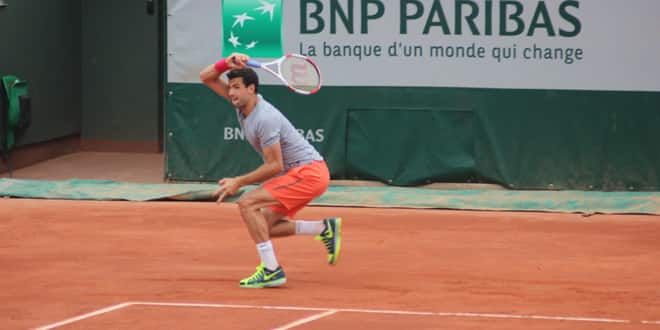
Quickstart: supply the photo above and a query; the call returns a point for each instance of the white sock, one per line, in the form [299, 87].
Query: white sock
[267, 255]
[309, 227]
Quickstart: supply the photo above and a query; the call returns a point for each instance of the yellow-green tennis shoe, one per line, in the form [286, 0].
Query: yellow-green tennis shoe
[331, 238]
[264, 278]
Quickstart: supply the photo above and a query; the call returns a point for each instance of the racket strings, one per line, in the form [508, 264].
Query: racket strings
[301, 74]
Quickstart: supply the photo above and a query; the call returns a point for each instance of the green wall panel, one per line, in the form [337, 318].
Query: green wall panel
[410, 146]
[41, 44]
[522, 139]
[119, 71]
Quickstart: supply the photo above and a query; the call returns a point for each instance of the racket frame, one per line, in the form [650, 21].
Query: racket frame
[278, 63]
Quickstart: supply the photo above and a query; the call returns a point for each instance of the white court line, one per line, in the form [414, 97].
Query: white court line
[84, 316]
[329, 311]
[396, 312]
[203, 305]
[305, 320]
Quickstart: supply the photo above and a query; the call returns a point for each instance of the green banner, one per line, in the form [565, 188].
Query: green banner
[522, 139]
[252, 27]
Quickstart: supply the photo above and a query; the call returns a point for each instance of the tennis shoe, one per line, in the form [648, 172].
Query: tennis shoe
[331, 238]
[264, 278]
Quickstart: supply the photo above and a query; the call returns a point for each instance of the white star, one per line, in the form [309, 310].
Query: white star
[251, 45]
[234, 40]
[240, 19]
[267, 7]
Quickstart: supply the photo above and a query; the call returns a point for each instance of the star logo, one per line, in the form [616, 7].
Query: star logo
[240, 19]
[234, 40]
[251, 45]
[267, 7]
[256, 21]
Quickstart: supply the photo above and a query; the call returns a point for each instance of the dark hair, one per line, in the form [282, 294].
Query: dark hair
[249, 77]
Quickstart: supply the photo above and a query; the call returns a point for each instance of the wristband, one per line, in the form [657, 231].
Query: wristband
[221, 66]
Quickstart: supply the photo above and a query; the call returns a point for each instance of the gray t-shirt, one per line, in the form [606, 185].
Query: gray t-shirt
[266, 125]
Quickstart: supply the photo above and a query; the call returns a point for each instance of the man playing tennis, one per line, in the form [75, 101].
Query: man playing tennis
[293, 172]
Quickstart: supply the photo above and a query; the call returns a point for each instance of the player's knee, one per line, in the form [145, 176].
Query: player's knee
[246, 203]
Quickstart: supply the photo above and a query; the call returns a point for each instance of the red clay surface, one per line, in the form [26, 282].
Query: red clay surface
[60, 259]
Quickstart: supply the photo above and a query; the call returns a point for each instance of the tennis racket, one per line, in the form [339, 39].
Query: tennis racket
[297, 72]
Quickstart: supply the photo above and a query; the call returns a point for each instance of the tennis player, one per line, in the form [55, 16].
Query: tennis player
[293, 173]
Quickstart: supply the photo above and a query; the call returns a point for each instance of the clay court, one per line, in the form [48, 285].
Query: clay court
[493, 163]
[119, 265]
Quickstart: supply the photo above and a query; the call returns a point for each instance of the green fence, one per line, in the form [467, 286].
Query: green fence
[522, 139]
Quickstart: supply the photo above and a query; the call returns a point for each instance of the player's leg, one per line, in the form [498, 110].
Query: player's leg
[308, 182]
[269, 273]
[283, 228]
[280, 226]
[328, 231]
[249, 206]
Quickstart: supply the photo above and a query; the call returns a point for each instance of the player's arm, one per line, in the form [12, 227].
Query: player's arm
[210, 76]
[272, 166]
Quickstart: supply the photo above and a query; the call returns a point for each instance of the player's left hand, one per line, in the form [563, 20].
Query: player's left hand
[228, 187]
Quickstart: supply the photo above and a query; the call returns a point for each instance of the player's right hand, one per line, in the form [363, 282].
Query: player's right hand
[237, 60]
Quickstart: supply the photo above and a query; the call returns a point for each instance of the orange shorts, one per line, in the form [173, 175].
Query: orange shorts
[297, 187]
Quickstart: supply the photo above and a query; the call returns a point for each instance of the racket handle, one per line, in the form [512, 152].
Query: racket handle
[253, 63]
